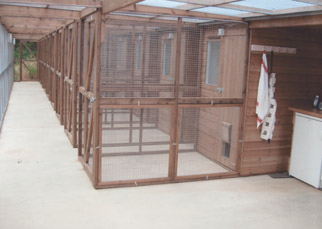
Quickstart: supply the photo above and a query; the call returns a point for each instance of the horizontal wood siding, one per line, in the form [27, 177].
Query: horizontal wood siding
[298, 80]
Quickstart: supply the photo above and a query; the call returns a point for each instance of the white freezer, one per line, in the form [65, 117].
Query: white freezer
[306, 156]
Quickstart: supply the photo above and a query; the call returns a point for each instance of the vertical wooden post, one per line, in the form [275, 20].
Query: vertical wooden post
[74, 87]
[132, 82]
[20, 61]
[62, 71]
[173, 157]
[38, 61]
[96, 104]
[142, 93]
[88, 29]
[80, 83]
[54, 73]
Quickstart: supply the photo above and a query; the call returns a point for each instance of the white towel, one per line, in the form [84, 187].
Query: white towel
[262, 103]
[269, 121]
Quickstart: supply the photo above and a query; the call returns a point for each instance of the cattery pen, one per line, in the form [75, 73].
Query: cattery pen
[158, 101]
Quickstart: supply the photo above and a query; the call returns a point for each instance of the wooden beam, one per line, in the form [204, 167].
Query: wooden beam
[246, 8]
[287, 22]
[28, 37]
[208, 2]
[8, 21]
[87, 11]
[20, 11]
[44, 27]
[29, 31]
[317, 2]
[84, 3]
[20, 61]
[110, 6]
[176, 12]
[298, 10]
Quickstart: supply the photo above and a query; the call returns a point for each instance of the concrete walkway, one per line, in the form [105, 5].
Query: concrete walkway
[42, 185]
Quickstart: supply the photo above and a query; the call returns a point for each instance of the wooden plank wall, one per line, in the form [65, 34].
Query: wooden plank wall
[231, 77]
[298, 80]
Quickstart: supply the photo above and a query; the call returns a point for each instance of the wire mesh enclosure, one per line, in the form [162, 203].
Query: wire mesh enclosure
[156, 101]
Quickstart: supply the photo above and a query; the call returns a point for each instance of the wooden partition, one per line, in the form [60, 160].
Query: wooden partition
[298, 80]
[58, 75]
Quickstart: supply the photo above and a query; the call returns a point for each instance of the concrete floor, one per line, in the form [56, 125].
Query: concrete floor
[42, 185]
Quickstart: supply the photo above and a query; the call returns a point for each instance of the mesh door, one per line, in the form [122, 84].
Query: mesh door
[208, 140]
[135, 143]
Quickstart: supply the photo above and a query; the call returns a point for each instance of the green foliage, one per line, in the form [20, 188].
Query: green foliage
[25, 53]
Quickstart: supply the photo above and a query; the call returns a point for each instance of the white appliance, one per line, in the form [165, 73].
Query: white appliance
[306, 156]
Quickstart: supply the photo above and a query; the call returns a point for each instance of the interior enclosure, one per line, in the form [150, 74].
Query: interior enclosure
[298, 80]
[152, 109]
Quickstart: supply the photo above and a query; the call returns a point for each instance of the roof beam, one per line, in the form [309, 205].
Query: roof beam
[246, 8]
[84, 3]
[208, 2]
[298, 10]
[30, 30]
[9, 21]
[110, 6]
[21, 11]
[287, 22]
[176, 12]
[29, 37]
[317, 2]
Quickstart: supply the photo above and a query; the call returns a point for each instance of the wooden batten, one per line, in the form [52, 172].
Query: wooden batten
[96, 105]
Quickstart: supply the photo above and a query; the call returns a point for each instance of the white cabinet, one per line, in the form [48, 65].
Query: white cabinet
[306, 156]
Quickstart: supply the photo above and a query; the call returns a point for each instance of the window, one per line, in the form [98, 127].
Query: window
[138, 55]
[166, 58]
[213, 57]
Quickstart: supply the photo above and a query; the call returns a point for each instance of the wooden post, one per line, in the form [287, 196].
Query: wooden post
[74, 87]
[142, 93]
[54, 73]
[132, 82]
[96, 105]
[62, 67]
[88, 26]
[173, 157]
[20, 61]
[38, 61]
[80, 83]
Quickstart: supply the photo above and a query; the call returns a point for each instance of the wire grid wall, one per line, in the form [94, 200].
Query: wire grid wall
[135, 143]
[6, 70]
[207, 140]
[138, 59]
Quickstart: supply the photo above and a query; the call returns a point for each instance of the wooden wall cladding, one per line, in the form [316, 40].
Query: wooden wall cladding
[298, 80]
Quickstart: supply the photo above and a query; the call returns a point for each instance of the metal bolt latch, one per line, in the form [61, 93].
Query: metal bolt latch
[92, 99]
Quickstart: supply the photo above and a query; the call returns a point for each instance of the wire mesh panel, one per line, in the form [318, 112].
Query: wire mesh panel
[138, 59]
[212, 57]
[135, 143]
[208, 140]
[6, 70]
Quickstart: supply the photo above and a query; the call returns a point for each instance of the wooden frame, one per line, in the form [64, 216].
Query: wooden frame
[72, 75]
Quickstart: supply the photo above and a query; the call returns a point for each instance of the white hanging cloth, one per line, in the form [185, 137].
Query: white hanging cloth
[262, 103]
[269, 120]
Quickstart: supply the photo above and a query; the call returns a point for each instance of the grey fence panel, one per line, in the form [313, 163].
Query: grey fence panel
[6, 70]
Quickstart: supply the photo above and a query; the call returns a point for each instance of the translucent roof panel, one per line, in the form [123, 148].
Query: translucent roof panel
[272, 4]
[161, 3]
[217, 10]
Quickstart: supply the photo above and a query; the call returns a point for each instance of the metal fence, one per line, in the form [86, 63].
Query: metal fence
[6, 70]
